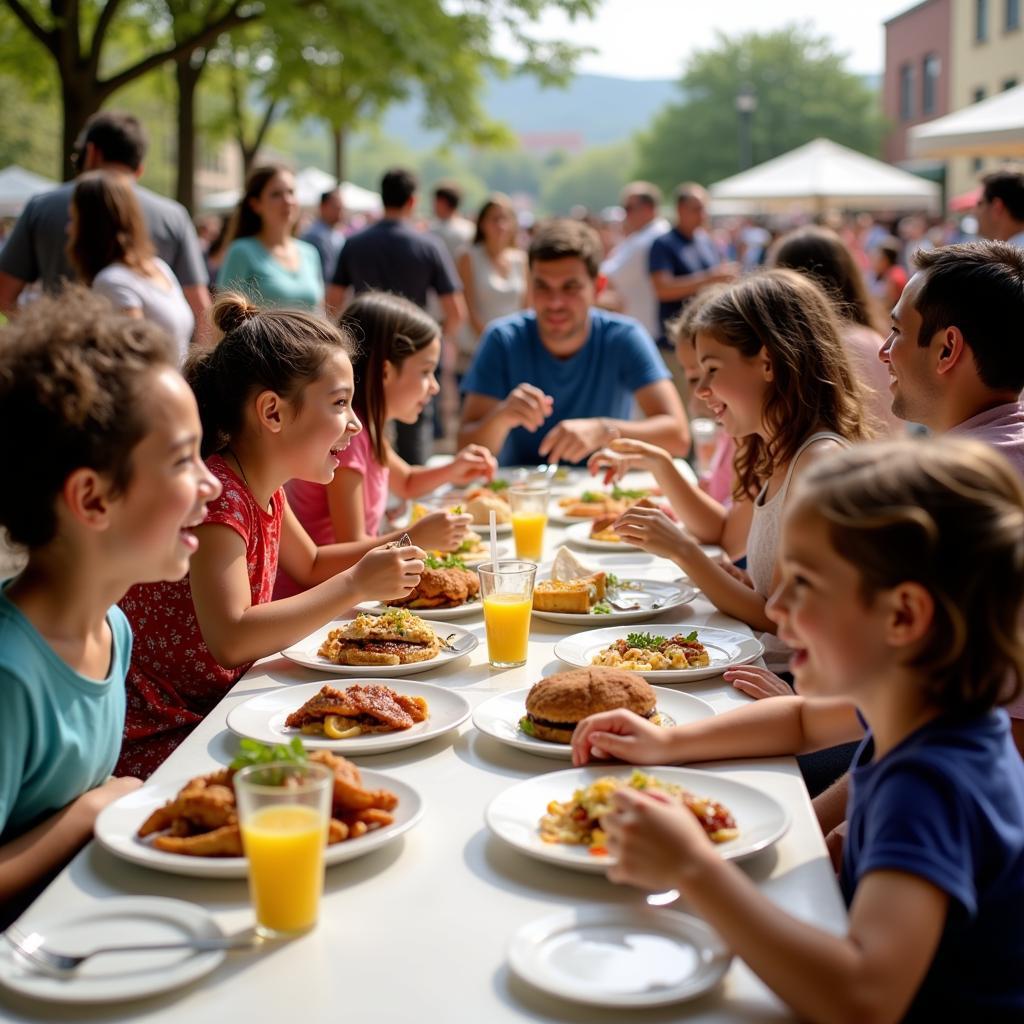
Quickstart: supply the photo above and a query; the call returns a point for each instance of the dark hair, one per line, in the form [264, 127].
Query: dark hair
[73, 376]
[788, 316]
[689, 190]
[493, 200]
[947, 514]
[325, 196]
[245, 221]
[820, 253]
[109, 226]
[279, 350]
[387, 328]
[566, 238]
[450, 192]
[648, 193]
[1007, 185]
[397, 187]
[977, 287]
[890, 247]
[119, 137]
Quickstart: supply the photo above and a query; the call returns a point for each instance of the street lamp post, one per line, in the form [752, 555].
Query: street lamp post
[746, 104]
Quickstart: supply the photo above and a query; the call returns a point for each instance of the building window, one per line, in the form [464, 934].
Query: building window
[979, 94]
[976, 165]
[930, 67]
[1012, 15]
[980, 20]
[907, 92]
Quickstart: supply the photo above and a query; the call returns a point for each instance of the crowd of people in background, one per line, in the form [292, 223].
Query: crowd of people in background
[216, 418]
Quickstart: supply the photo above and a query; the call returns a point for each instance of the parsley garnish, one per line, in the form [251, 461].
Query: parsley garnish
[611, 581]
[447, 562]
[252, 752]
[603, 608]
[526, 725]
[645, 641]
[497, 485]
[591, 497]
[620, 493]
[691, 637]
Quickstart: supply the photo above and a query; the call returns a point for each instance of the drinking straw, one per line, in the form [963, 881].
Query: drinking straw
[494, 540]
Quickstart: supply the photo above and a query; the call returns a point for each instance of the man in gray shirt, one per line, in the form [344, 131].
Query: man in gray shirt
[35, 250]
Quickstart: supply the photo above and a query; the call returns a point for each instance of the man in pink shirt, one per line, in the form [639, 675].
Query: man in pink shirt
[956, 353]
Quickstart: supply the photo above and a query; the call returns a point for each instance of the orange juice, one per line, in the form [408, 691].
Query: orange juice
[507, 620]
[284, 845]
[528, 528]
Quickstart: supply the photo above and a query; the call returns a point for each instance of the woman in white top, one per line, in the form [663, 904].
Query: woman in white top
[493, 272]
[110, 248]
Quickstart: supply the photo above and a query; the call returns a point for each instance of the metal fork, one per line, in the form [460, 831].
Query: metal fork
[623, 607]
[29, 949]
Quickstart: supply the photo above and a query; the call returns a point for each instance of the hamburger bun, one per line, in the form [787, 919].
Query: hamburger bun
[558, 703]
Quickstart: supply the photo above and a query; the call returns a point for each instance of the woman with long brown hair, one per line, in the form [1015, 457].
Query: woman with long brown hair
[110, 248]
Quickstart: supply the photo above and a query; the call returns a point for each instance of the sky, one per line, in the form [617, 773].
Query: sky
[652, 38]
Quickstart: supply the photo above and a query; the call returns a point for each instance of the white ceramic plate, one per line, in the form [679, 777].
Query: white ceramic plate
[118, 823]
[515, 814]
[472, 561]
[647, 593]
[725, 648]
[133, 920]
[262, 718]
[499, 717]
[580, 535]
[620, 956]
[461, 611]
[304, 653]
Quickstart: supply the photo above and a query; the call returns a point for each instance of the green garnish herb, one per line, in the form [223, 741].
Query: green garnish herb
[456, 510]
[691, 637]
[526, 725]
[497, 485]
[252, 752]
[611, 581]
[591, 497]
[645, 641]
[620, 493]
[603, 608]
[447, 562]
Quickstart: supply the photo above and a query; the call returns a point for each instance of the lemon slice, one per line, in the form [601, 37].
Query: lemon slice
[337, 727]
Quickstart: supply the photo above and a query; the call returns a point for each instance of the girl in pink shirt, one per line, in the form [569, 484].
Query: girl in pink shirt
[399, 351]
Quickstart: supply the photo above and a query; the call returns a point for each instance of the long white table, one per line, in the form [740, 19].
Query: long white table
[418, 930]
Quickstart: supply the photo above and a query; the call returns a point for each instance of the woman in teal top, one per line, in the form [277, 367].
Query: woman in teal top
[264, 261]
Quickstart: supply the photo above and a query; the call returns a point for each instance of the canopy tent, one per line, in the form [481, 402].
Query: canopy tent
[310, 184]
[822, 175]
[992, 127]
[18, 186]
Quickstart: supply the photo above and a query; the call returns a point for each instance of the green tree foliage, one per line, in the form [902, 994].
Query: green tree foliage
[592, 179]
[802, 89]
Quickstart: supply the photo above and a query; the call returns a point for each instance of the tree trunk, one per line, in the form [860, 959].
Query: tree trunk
[187, 70]
[80, 100]
[338, 138]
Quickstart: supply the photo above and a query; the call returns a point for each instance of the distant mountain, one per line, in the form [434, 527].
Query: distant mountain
[599, 108]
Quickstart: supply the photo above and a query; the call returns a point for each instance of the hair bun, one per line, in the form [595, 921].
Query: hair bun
[231, 310]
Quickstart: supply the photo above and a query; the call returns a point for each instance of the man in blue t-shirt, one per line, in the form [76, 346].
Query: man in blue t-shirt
[556, 383]
[684, 261]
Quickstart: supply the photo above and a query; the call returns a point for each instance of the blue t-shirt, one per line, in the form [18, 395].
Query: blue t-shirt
[60, 733]
[617, 359]
[947, 805]
[251, 269]
[680, 256]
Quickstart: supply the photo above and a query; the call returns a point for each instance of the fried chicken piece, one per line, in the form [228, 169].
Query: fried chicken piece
[441, 588]
[207, 801]
[376, 708]
[220, 842]
[349, 794]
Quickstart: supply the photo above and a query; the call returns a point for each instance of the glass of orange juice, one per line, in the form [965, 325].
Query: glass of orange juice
[284, 811]
[507, 591]
[529, 504]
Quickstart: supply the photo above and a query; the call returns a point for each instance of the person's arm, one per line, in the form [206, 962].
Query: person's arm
[198, 298]
[338, 297]
[669, 287]
[487, 421]
[470, 463]
[869, 974]
[664, 425]
[236, 631]
[10, 288]
[453, 309]
[39, 852]
[464, 265]
[770, 728]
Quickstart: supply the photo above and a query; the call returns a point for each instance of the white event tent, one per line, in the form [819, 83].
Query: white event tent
[822, 175]
[992, 127]
[18, 186]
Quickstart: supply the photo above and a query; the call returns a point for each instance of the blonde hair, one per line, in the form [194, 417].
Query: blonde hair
[947, 514]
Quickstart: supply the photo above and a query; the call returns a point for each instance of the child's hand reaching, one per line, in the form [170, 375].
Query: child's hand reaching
[88, 806]
[624, 454]
[653, 838]
[472, 463]
[757, 682]
[620, 734]
[652, 530]
[386, 573]
[440, 531]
